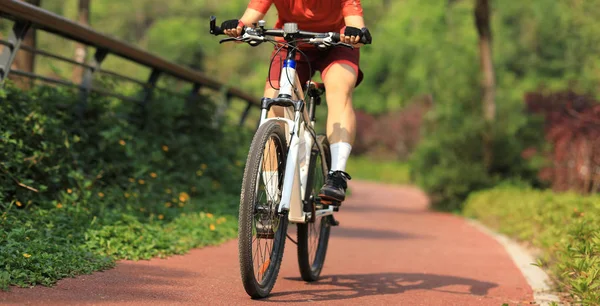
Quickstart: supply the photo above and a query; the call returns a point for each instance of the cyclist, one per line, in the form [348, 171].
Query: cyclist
[339, 68]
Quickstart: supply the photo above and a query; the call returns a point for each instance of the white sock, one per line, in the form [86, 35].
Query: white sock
[271, 181]
[340, 151]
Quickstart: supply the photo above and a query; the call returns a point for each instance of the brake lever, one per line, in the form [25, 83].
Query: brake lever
[229, 39]
[344, 45]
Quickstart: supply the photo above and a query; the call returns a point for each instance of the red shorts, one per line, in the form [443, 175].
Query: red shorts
[319, 61]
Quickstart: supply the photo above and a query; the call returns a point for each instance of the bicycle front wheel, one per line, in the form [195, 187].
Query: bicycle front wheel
[262, 230]
[313, 236]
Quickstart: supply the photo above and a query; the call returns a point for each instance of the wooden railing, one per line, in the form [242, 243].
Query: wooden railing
[26, 17]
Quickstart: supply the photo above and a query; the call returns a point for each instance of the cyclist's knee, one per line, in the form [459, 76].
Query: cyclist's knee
[340, 80]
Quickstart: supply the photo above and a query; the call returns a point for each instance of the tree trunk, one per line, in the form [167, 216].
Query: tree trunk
[25, 60]
[488, 83]
[83, 17]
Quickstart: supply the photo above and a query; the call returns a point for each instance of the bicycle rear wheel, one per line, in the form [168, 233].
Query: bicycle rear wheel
[313, 237]
[262, 230]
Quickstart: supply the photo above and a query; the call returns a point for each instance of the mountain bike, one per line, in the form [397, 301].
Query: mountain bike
[286, 166]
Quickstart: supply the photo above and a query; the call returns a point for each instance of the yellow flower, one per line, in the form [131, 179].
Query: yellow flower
[181, 204]
[26, 255]
[212, 227]
[131, 180]
[122, 142]
[142, 182]
[203, 166]
[165, 148]
[153, 175]
[199, 173]
[19, 204]
[142, 209]
[101, 194]
[69, 191]
[127, 195]
[221, 220]
[160, 217]
[209, 215]
[59, 205]
[168, 190]
[184, 197]
[168, 204]
[238, 163]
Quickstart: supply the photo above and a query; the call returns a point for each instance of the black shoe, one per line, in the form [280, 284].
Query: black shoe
[335, 187]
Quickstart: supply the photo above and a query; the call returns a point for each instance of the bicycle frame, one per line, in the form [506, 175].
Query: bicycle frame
[294, 184]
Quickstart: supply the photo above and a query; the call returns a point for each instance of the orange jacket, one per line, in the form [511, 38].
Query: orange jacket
[311, 15]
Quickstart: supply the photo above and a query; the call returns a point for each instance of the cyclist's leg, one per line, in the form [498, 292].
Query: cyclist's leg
[340, 80]
[340, 75]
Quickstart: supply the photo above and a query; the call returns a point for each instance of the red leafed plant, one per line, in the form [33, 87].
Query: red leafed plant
[572, 126]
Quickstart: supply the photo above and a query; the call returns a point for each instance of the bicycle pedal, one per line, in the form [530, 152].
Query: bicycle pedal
[328, 202]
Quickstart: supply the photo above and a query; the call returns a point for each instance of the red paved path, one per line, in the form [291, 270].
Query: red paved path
[389, 250]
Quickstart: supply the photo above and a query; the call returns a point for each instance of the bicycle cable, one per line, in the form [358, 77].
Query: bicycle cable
[291, 239]
[297, 48]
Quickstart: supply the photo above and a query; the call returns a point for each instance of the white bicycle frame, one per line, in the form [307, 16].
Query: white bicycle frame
[294, 184]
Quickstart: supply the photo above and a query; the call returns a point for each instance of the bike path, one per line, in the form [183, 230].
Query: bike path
[388, 250]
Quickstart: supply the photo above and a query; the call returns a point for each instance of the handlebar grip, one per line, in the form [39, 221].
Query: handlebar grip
[335, 37]
[366, 37]
[214, 29]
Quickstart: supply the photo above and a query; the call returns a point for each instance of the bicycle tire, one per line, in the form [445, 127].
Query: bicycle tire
[313, 237]
[251, 208]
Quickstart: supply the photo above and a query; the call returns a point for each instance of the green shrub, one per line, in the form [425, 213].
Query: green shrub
[565, 226]
[79, 190]
[448, 164]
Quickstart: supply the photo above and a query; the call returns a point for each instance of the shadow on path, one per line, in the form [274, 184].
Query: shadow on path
[369, 233]
[359, 285]
[365, 208]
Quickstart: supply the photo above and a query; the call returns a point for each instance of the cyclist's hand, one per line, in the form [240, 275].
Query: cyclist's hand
[232, 27]
[351, 36]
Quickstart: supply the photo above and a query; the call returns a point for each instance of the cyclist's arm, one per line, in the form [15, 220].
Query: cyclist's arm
[353, 18]
[355, 21]
[257, 9]
[251, 16]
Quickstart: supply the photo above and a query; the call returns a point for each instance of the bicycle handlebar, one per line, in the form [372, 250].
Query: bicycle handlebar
[256, 36]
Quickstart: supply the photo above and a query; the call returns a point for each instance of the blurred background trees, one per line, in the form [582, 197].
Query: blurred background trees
[453, 109]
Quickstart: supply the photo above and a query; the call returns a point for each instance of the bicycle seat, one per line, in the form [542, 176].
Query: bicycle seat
[315, 89]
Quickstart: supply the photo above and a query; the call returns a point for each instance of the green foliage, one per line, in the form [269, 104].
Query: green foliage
[76, 193]
[437, 57]
[448, 163]
[385, 171]
[565, 226]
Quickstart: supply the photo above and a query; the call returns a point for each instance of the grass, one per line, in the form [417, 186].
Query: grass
[41, 246]
[77, 195]
[384, 171]
[566, 227]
